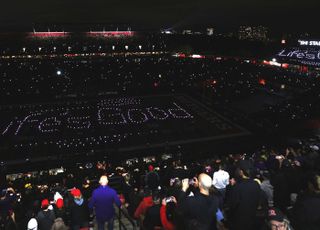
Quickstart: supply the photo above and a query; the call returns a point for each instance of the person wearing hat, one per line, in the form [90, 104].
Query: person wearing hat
[79, 211]
[152, 179]
[59, 210]
[33, 224]
[45, 216]
[276, 220]
[102, 201]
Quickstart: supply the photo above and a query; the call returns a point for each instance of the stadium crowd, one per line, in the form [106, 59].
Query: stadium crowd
[269, 189]
[227, 79]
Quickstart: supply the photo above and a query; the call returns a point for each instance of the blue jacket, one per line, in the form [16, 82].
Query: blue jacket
[102, 201]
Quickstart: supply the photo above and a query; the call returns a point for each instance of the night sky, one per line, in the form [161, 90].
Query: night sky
[283, 15]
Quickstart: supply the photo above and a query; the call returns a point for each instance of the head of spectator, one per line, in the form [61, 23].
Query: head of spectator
[44, 204]
[175, 183]
[150, 168]
[59, 203]
[276, 220]
[59, 225]
[156, 197]
[218, 165]
[32, 224]
[76, 193]
[265, 175]
[103, 181]
[205, 183]
[244, 169]
[57, 196]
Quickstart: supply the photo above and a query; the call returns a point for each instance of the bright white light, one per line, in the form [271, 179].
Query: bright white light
[275, 63]
[126, 47]
[24, 49]
[274, 60]
[140, 47]
[113, 47]
[59, 72]
[40, 49]
[196, 56]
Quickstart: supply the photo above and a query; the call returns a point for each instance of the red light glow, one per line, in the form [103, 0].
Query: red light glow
[285, 65]
[262, 81]
[110, 33]
[48, 34]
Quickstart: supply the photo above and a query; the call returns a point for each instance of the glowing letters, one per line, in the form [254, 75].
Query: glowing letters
[309, 43]
[108, 113]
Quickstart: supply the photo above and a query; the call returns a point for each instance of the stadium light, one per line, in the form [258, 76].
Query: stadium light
[39, 49]
[126, 47]
[59, 72]
[140, 47]
[113, 47]
[24, 49]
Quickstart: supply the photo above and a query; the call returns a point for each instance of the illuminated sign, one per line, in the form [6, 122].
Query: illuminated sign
[301, 54]
[118, 112]
[307, 57]
[309, 43]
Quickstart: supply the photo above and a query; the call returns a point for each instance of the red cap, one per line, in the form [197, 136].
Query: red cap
[75, 192]
[45, 203]
[150, 168]
[59, 203]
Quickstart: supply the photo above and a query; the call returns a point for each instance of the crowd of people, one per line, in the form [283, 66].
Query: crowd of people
[270, 189]
[227, 79]
[222, 83]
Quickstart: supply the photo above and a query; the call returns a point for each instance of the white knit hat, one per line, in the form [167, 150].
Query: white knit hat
[57, 196]
[32, 224]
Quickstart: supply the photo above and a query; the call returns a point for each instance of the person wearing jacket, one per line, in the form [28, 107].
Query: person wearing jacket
[79, 211]
[102, 201]
[45, 216]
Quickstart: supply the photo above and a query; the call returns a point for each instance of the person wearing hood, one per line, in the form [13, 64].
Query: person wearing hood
[79, 211]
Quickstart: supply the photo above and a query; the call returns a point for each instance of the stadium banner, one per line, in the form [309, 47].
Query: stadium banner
[305, 52]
